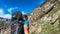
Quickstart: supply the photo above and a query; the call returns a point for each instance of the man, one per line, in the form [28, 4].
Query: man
[26, 24]
[19, 24]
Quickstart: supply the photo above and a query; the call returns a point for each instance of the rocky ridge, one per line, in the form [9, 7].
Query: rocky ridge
[45, 17]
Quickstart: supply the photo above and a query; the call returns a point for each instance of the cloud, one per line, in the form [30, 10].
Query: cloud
[10, 9]
[7, 16]
[1, 11]
[23, 13]
[4, 15]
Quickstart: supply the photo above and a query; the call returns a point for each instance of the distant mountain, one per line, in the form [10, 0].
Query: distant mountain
[4, 19]
[1, 18]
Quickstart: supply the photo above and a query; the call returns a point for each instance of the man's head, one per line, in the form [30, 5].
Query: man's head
[25, 17]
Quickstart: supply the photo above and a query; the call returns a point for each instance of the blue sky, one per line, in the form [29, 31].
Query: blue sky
[7, 7]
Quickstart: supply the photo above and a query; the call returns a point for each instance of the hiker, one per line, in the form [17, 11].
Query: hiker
[19, 23]
[26, 24]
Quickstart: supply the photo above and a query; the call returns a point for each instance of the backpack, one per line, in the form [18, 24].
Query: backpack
[17, 23]
[16, 16]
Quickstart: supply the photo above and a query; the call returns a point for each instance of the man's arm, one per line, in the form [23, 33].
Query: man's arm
[26, 29]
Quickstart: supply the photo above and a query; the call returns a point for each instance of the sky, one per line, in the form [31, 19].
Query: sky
[7, 7]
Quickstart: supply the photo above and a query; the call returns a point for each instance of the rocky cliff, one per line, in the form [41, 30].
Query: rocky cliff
[45, 19]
